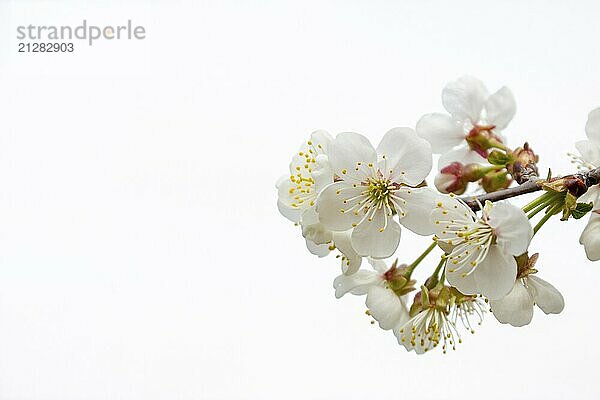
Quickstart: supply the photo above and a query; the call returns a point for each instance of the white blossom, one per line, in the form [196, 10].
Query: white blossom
[590, 155]
[472, 110]
[309, 174]
[516, 308]
[436, 322]
[481, 249]
[373, 186]
[385, 305]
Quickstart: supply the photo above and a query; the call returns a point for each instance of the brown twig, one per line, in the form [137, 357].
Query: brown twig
[587, 179]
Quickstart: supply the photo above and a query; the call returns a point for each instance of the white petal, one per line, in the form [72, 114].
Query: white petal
[312, 229]
[385, 307]
[441, 131]
[419, 204]
[464, 98]
[466, 284]
[496, 274]
[590, 238]
[406, 154]
[346, 150]
[369, 240]
[351, 261]
[589, 151]
[461, 154]
[357, 284]
[592, 127]
[501, 108]
[332, 209]
[285, 200]
[317, 234]
[512, 228]
[320, 250]
[516, 308]
[378, 265]
[293, 214]
[321, 140]
[591, 196]
[547, 297]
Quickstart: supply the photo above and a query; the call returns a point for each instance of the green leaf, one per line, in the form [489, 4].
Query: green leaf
[581, 210]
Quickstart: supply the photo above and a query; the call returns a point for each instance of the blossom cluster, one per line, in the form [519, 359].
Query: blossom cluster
[355, 200]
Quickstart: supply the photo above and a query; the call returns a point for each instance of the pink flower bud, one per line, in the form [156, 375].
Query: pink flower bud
[451, 179]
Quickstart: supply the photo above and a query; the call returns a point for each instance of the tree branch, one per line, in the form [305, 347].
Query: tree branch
[579, 181]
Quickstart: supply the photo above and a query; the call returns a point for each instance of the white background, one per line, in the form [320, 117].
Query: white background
[141, 252]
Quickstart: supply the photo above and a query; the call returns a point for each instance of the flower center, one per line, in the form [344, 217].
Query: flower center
[379, 191]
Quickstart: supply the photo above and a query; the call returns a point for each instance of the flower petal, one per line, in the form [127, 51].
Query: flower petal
[590, 151]
[407, 157]
[368, 238]
[496, 274]
[512, 228]
[332, 206]
[417, 209]
[378, 265]
[319, 250]
[501, 108]
[357, 284]
[546, 296]
[466, 284]
[385, 307]
[591, 196]
[464, 98]
[516, 308]
[321, 140]
[313, 229]
[285, 200]
[351, 261]
[441, 131]
[463, 155]
[590, 238]
[346, 150]
[592, 126]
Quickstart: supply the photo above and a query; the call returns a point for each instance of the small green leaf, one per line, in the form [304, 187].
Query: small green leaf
[581, 210]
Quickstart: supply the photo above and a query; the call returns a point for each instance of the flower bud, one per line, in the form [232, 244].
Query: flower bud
[451, 179]
[481, 138]
[495, 180]
[524, 163]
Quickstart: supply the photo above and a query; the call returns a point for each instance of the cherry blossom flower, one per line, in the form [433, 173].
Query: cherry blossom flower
[309, 174]
[590, 159]
[590, 155]
[475, 119]
[371, 187]
[516, 308]
[384, 288]
[481, 250]
[434, 319]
